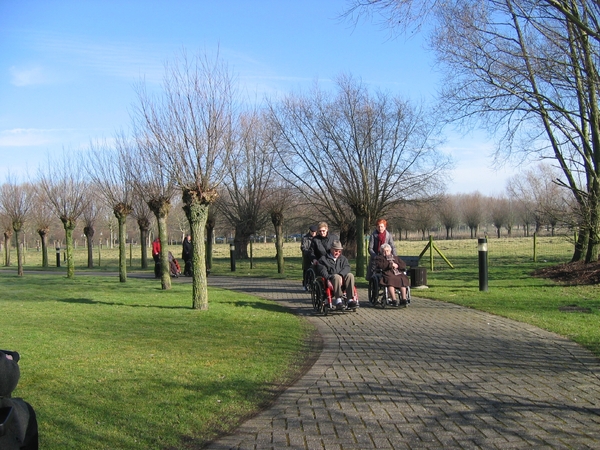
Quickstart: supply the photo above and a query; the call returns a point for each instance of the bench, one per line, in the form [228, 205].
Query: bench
[418, 275]
[411, 261]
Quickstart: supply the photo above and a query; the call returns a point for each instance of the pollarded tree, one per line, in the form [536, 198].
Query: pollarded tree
[63, 183]
[7, 232]
[247, 184]
[107, 167]
[41, 217]
[448, 213]
[153, 182]
[358, 150]
[90, 217]
[142, 215]
[191, 124]
[473, 211]
[15, 202]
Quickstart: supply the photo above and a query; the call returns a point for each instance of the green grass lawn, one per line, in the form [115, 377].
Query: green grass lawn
[125, 365]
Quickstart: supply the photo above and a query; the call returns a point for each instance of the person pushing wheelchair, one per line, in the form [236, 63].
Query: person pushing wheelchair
[335, 267]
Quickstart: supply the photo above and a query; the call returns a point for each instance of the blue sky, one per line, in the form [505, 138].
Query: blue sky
[68, 67]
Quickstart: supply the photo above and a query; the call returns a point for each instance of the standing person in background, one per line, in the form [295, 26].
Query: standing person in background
[186, 255]
[156, 257]
[305, 247]
[379, 237]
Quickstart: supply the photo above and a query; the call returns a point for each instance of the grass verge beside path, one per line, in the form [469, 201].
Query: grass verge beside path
[125, 365]
[571, 311]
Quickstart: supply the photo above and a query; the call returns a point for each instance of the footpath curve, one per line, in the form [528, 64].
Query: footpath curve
[431, 376]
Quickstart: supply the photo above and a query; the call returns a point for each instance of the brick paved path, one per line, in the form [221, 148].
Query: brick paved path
[430, 376]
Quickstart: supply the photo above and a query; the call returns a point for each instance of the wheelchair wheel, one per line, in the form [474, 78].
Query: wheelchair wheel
[373, 291]
[310, 278]
[316, 293]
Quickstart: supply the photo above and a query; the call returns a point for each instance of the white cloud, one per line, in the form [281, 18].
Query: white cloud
[27, 137]
[27, 76]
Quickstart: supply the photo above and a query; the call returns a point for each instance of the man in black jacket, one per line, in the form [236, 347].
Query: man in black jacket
[305, 247]
[186, 255]
[335, 267]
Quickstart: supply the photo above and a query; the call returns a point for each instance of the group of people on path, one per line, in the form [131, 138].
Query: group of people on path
[324, 251]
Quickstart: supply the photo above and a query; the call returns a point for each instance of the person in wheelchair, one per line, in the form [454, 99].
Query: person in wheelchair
[335, 267]
[393, 274]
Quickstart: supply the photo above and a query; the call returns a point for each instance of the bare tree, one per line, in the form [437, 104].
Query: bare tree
[191, 124]
[473, 211]
[7, 232]
[90, 216]
[246, 187]
[356, 150]
[153, 183]
[527, 69]
[62, 181]
[142, 215]
[448, 213]
[15, 202]
[107, 166]
[41, 217]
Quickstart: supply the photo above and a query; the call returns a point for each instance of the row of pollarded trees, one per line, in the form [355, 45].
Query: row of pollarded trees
[335, 155]
[532, 200]
[526, 70]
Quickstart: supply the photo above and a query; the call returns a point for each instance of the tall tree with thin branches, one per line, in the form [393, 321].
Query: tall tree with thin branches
[191, 123]
[63, 183]
[15, 202]
[357, 150]
[107, 166]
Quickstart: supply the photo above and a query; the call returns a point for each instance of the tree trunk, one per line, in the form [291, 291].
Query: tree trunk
[88, 232]
[19, 252]
[165, 273]
[144, 227]
[210, 237]
[581, 244]
[160, 208]
[241, 241]
[7, 235]
[44, 240]
[360, 246]
[122, 221]
[196, 212]
[69, 226]
[277, 219]
[594, 225]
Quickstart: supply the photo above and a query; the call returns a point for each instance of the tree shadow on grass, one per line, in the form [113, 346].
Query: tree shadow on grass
[88, 301]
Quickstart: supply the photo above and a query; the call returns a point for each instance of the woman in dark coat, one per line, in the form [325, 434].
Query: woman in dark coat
[393, 276]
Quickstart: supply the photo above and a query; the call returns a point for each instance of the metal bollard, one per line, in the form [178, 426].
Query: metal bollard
[232, 256]
[483, 264]
[57, 256]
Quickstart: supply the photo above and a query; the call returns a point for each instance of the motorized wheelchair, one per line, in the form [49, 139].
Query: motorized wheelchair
[321, 291]
[379, 295]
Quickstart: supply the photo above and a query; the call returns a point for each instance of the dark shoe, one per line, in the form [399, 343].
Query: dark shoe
[403, 303]
[352, 304]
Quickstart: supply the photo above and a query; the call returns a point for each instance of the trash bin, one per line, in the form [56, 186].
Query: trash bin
[418, 276]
